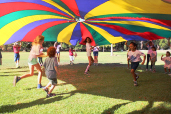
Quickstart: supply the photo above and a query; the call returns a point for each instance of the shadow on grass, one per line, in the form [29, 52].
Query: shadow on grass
[115, 81]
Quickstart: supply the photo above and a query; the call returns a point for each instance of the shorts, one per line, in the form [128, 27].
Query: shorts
[71, 58]
[167, 66]
[58, 52]
[134, 65]
[53, 81]
[33, 61]
[16, 56]
[95, 53]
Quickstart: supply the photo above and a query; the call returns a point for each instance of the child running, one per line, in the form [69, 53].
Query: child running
[16, 49]
[50, 65]
[40, 58]
[135, 59]
[167, 61]
[58, 49]
[71, 55]
[32, 61]
[88, 49]
[95, 53]
[153, 58]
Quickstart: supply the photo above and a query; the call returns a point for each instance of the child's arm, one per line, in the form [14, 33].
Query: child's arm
[56, 68]
[143, 60]
[126, 44]
[161, 57]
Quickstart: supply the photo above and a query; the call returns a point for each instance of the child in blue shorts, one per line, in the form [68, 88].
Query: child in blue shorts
[16, 48]
[50, 65]
[135, 59]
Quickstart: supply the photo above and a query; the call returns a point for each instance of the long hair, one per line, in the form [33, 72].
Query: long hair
[85, 41]
[38, 39]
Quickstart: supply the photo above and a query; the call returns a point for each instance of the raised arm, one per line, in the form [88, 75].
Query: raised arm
[161, 57]
[126, 44]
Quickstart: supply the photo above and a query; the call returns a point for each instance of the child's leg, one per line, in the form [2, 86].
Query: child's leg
[51, 89]
[31, 67]
[148, 58]
[58, 56]
[39, 73]
[48, 85]
[133, 74]
[41, 60]
[90, 63]
[169, 70]
[165, 70]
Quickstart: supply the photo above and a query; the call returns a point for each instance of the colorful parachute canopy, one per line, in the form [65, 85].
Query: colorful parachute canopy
[71, 21]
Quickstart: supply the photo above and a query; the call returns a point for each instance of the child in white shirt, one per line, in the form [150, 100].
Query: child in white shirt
[167, 61]
[135, 59]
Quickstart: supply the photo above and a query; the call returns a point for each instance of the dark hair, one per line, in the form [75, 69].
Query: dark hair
[51, 51]
[85, 41]
[168, 52]
[134, 44]
[153, 48]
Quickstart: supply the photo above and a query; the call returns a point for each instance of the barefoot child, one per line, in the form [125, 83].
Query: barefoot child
[50, 65]
[16, 49]
[153, 58]
[135, 59]
[167, 61]
[32, 61]
[88, 49]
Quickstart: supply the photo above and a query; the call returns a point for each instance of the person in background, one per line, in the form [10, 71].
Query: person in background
[149, 45]
[153, 58]
[71, 55]
[135, 59]
[88, 50]
[40, 58]
[167, 61]
[32, 61]
[95, 53]
[58, 49]
[16, 49]
[127, 53]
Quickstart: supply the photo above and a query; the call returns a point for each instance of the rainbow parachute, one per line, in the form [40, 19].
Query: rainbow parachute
[71, 21]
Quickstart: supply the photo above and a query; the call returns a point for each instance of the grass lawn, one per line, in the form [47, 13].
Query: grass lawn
[108, 89]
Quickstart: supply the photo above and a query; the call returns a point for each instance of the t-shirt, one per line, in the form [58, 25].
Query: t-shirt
[71, 52]
[88, 47]
[149, 49]
[167, 60]
[134, 56]
[96, 48]
[153, 54]
[49, 65]
[58, 48]
[35, 50]
[16, 49]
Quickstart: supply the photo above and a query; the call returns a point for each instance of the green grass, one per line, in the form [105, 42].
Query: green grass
[108, 89]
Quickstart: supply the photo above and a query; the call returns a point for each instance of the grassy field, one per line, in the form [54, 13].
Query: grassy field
[107, 90]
